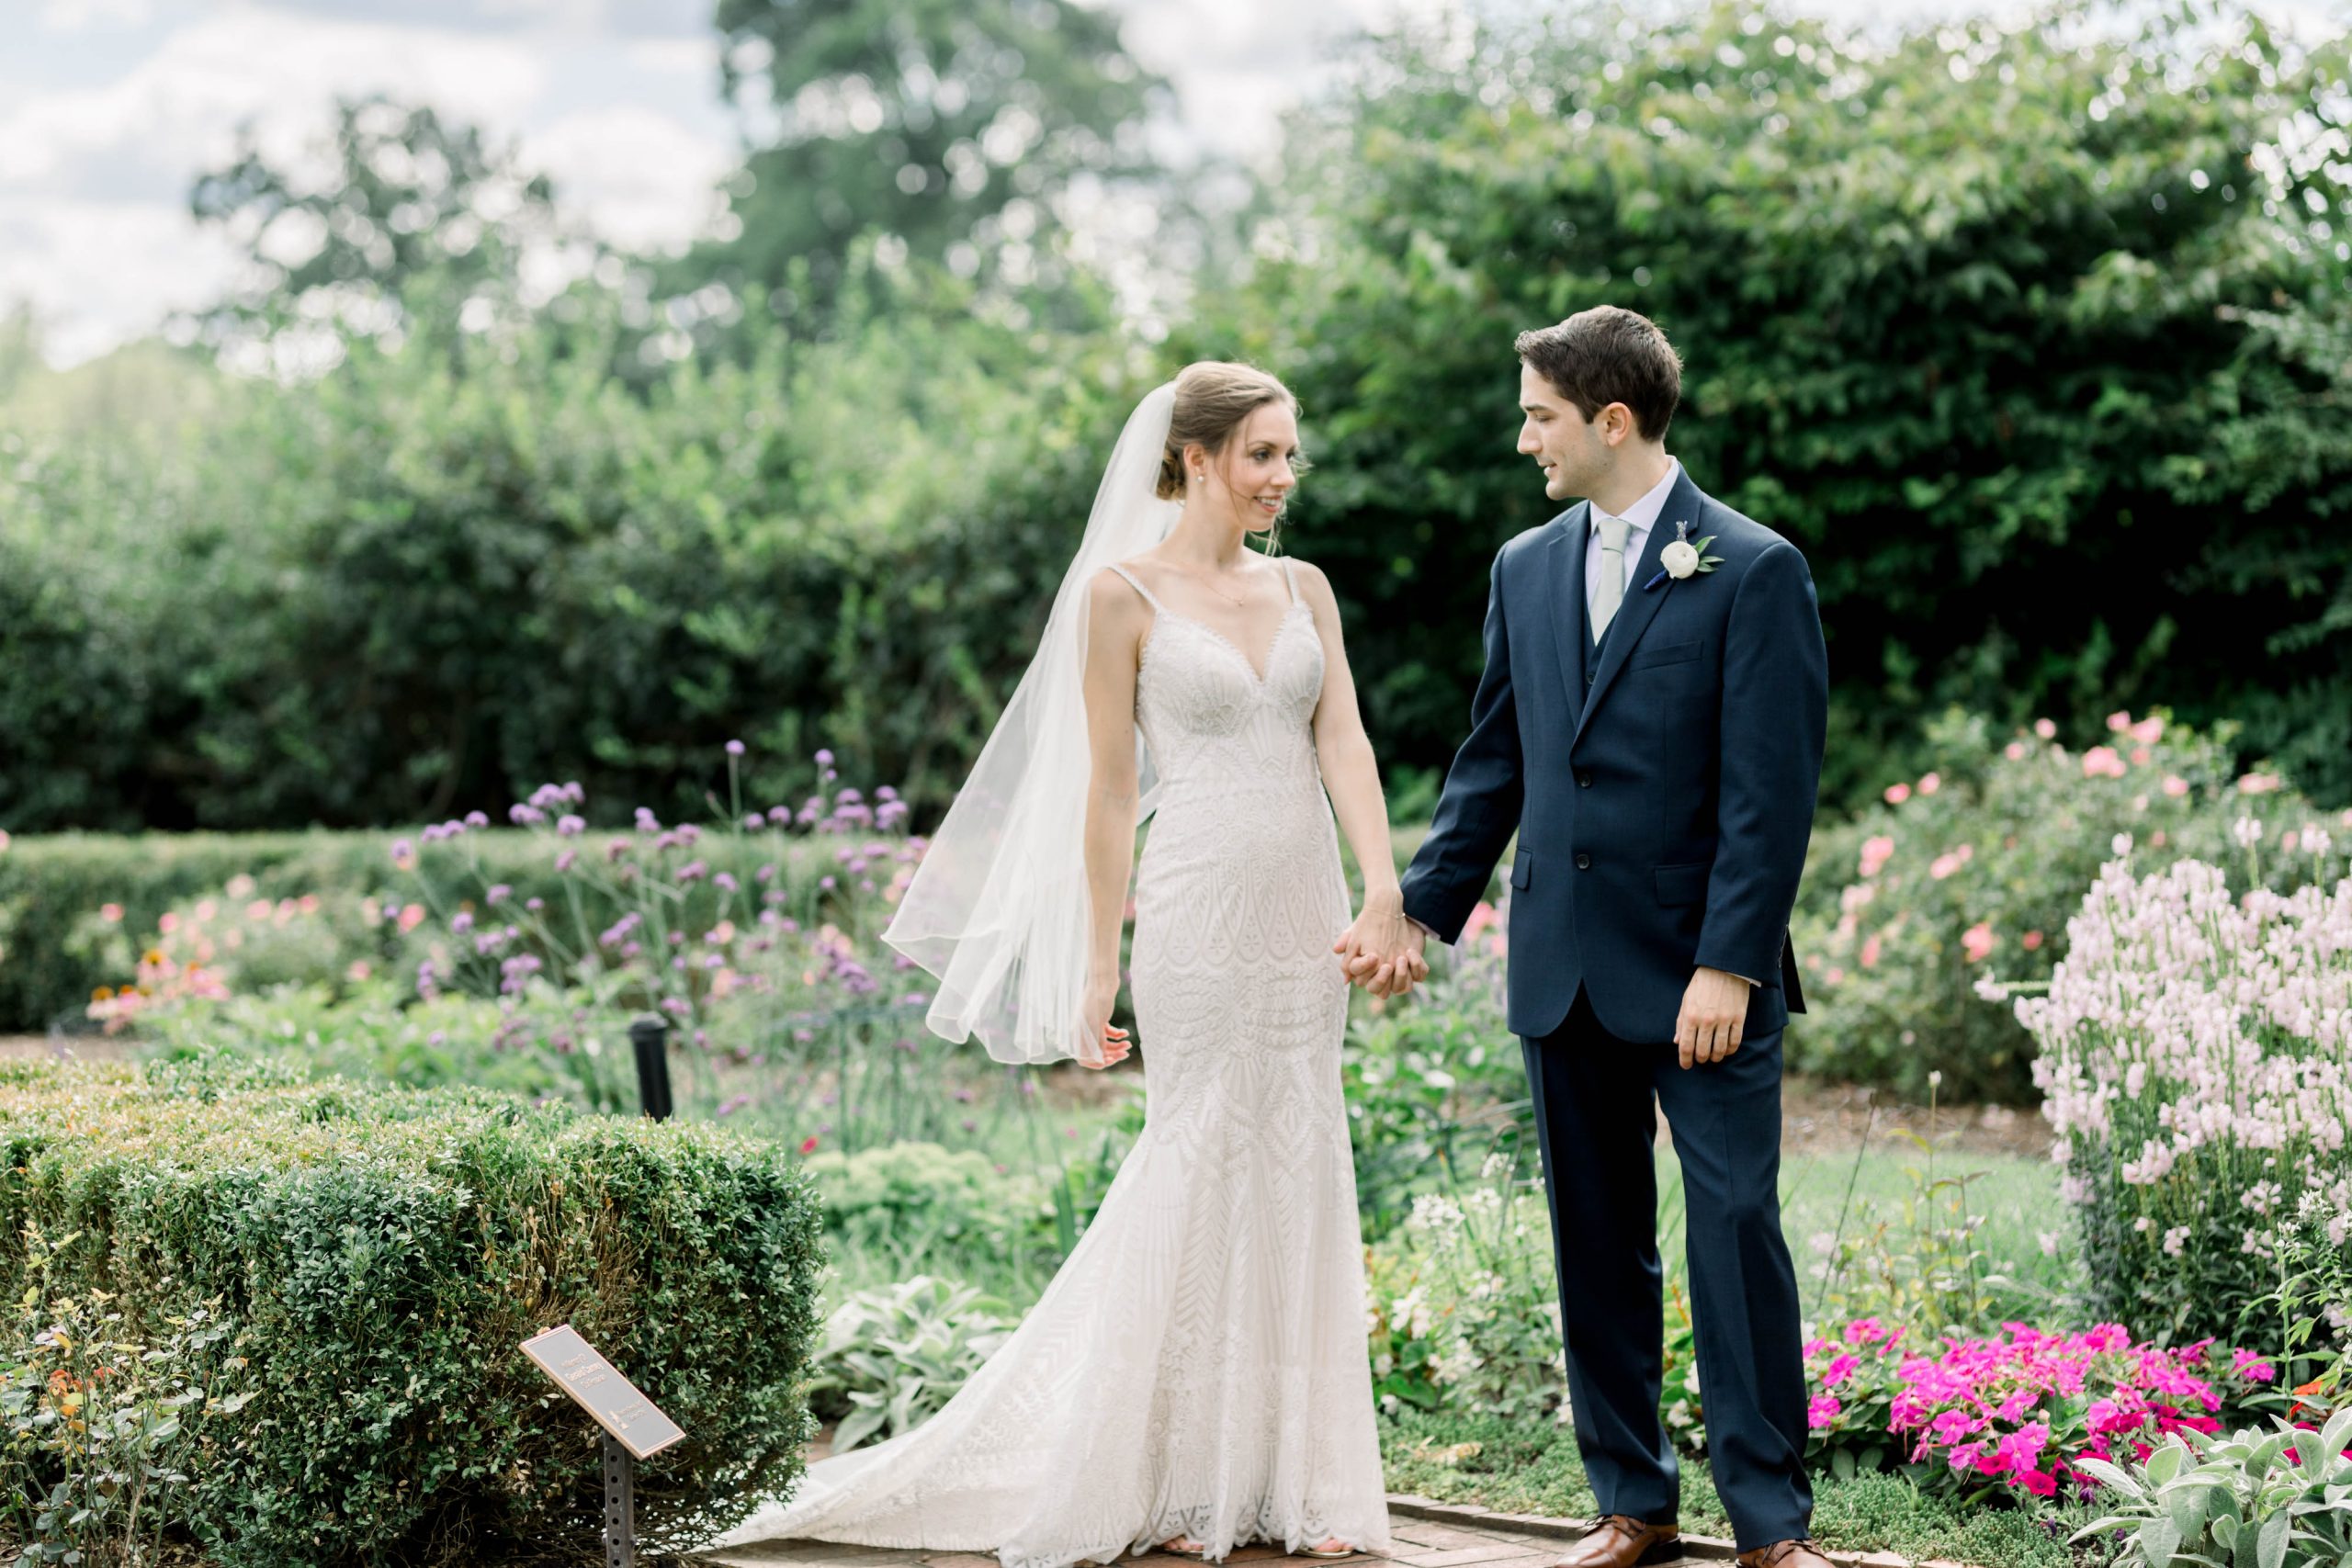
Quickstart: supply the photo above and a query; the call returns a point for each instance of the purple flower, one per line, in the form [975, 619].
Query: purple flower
[886, 793]
[524, 816]
[647, 822]
[616, 848]
[564, 862]
[779, 815]
[849, 797]
[499, 893]
[438, 1037]
[476, 820]
[535, 905]
[402, 850]
[754, 822]
[725, 880]
[824, 759]
[689, 835]
[677, 1006]
[693, 871]
[766, 875]
[461, 924]
[573, 793]
[570, 826]
[734, 748]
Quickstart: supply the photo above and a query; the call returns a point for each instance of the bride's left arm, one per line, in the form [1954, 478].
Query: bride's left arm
[1352, 778]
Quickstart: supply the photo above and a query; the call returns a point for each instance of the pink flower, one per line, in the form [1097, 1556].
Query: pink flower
[2176, 786]
[1821, 1410]
[2250, 1366]
[1931, 783]
[2046, 729]
[1865, 1331]
[2102, 761]
[2014, 750]
[2149, 730]
[111, 913]
[2030, 940]
[1896, 794]
[1977, 942]
[1481, 915]
[1871, 951]
[412, 917]
[2041, 1483]
[2119, 722]
[1943, 866]
[1838, 1370]
[2258, 784]
[1876, 851]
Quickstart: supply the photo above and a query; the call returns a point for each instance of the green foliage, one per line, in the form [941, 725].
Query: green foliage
[412, 196]
[99, 1433]
[2203, 1499]
[2028, 331]
[1464, 1312]
[437, 577]
[894, 1356]
[1974, 869]
[951, 126]
[379, 1255]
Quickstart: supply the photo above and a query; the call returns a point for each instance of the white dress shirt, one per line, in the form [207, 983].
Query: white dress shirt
[1642, 516]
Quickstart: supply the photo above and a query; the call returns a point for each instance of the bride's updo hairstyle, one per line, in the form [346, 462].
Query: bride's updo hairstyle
[1213, 396]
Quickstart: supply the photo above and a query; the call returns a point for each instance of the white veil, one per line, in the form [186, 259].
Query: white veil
[999, 911]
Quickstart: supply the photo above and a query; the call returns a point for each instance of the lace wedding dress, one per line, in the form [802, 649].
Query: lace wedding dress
[1198, 1366]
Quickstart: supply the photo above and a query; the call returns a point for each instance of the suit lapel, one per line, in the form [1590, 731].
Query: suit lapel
[1640, 607]
[1564, 579]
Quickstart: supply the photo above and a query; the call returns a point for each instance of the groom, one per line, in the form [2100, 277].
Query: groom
[1650, 724]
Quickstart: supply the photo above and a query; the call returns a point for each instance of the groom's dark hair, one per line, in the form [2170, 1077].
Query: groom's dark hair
[1609, 354]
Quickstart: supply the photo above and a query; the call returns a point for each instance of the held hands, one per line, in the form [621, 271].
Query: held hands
[1714, 1008]
[1100, 1044]
[1381, 950]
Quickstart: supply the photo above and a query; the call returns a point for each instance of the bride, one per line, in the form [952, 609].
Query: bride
[1195, 1376]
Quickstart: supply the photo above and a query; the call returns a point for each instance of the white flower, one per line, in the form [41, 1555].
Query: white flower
[2247, 832]
[2120, 843]
[2176, 1241]
[1679, 559]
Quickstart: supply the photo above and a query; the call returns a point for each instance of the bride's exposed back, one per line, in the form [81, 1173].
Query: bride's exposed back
[1196, 1375]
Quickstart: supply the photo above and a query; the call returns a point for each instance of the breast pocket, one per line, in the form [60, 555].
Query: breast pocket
[1666, 653]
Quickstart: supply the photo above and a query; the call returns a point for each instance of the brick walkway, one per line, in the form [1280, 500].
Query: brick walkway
[1427, 1535]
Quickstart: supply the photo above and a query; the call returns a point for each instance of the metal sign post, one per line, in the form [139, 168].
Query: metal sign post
[633, 1428]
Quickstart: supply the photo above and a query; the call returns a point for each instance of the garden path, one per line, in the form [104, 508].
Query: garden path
[1427, 1535]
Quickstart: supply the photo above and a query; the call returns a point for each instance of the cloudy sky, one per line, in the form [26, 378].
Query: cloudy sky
[109, 107]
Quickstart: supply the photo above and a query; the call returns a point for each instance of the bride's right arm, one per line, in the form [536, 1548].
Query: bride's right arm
[1115, 627]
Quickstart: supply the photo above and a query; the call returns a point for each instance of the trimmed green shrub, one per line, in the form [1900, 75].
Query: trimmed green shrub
[379, 1255]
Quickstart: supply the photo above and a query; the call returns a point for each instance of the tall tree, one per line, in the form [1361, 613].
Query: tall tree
[391, 197]
[950, 127]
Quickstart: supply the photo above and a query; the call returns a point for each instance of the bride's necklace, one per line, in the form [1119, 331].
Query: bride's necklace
[1202, 579]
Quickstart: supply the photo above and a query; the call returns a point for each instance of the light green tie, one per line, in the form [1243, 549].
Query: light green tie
[1610, 591]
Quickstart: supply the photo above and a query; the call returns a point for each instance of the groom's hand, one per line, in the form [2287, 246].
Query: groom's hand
[1714, 1008]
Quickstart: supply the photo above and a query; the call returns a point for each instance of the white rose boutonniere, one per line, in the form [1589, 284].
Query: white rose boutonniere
[1684, 558]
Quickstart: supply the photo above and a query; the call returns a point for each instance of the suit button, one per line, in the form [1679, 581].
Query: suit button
[1584, 780]
[1583, 863]
[1588, 677]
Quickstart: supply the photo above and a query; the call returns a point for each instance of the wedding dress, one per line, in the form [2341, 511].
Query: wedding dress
[1198, 1366]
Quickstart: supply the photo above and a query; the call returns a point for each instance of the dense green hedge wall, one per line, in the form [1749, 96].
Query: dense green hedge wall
[382, 1254]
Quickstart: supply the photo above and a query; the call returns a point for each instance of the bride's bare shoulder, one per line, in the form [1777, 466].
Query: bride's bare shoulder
[1113, 600]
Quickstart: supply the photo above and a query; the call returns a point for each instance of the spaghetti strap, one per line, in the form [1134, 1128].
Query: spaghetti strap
[1138, 587]
[1290, 578]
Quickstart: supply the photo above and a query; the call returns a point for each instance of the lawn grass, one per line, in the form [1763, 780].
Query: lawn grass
[1848, 1192]
[1525, 1467]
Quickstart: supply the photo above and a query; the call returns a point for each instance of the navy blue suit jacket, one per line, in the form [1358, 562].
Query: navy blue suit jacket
[1662, 809]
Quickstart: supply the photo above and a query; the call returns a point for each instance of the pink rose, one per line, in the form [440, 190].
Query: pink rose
[1896, 794]
[1977, 942]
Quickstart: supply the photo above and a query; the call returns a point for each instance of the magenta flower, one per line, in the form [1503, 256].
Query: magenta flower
[734, 748]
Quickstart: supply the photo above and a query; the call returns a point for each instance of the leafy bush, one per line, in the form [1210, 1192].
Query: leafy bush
[1464, 1308]
[892, 1356]
[378, 1256]
[1974, 867]
[99, 1433]
[2199, 1078]
[2016, 324]
[2275, 1499]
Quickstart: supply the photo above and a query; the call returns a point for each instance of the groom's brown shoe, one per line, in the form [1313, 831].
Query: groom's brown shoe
[1785, 1554]
[1621, 1540]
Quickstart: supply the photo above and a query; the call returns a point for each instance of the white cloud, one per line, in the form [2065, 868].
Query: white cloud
[644, 178]
[100, 273]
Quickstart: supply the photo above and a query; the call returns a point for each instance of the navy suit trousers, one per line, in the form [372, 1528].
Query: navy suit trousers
[1596, 1098]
